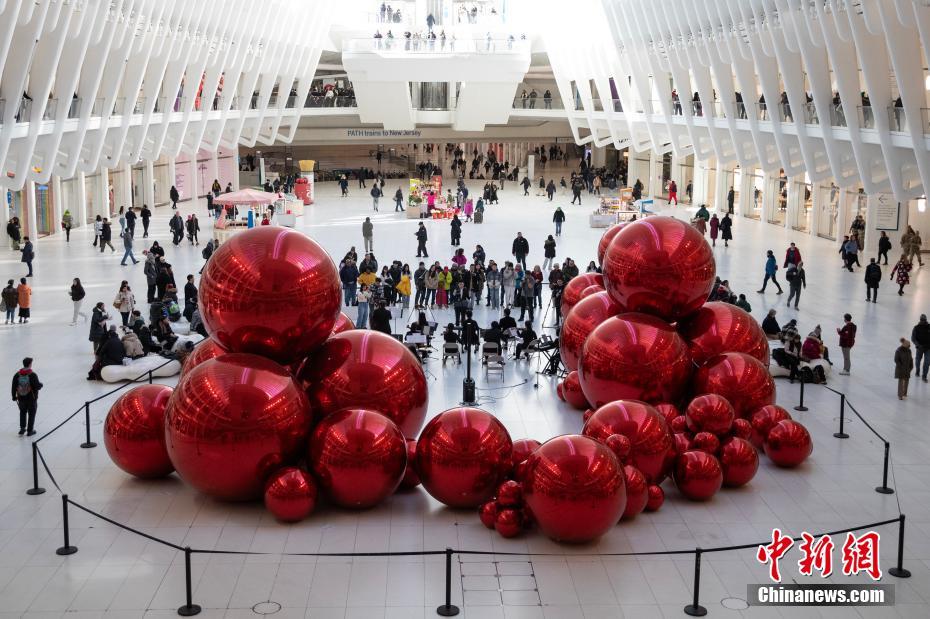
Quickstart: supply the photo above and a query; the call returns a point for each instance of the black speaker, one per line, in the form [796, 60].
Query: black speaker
[468, 391]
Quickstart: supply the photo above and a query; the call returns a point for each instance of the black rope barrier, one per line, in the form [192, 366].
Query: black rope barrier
[800, 406]
[841, 433]
[66, 548]
[48, 471]
[123, 526]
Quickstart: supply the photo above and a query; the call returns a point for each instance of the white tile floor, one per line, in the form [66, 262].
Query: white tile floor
[119, 574]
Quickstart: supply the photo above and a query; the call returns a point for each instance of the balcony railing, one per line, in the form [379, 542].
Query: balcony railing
[437, 46]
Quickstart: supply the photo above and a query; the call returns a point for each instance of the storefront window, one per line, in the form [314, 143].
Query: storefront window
[829, 209]
[802, 222]
[758, 188]
[45, 210]
[779, 206]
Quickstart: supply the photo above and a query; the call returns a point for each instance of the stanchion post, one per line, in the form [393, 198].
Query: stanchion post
[898, 570]
[189, 609]
[800, 406]
[36, 489]
[151, 377]
[694, 609]
[87, 444]
[884, 489]
[67, 548]
[447, 609]
[842, 433]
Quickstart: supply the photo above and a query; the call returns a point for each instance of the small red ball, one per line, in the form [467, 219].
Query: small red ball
[343, 323]
[510, 494]
[710, 413]
[742, 429]
[739, 460]
[571, 389]
[788, 444]
[669, 411]
[637, 492]
[290, 494]
[655, 499]
[509, 522]
[620, 445]
[720, 327]
[681, 443]
[765, 418]
[522, 448]
[411, 478]
[134, 431]
[646, 429]
[571, 294]
[204, 351]
[488, 514]
[679, 424]
[698, 475]
[584, 318]
[706, 442]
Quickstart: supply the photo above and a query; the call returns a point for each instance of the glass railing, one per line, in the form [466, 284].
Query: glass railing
[437, 46]
[389, 19]
[50, 106]
[541, 103]
[315, 101]
[810, 114]
[866, 116]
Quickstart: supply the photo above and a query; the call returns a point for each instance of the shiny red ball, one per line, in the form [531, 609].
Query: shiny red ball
[742, 429]
[681, 443]
[487, 513]
[706, 442]
[134, 431]
[462, 456]
[571, 389]
[270, 291]
[660, 266]
[575, 488]
[621, 446]
[358, 456]
[739, 460]
[584, 317]
[788, 444]
[634, 357]
[606, 238]
[655, 499]
[370, 370]
[720, 327]
[290, 494]
[411, 478]
[509, 522]
[560, 391]
[343, 323]
[571, 294]
[669, 411]
[232, 421]
[710, 413]
[740, 378]
[522, 448]
[678, 424]
[764, 419]
[639, 422]
[698, 475]
[637, 492]
[510, 494]
[204, 351]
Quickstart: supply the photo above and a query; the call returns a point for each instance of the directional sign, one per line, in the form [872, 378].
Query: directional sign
[887, 212]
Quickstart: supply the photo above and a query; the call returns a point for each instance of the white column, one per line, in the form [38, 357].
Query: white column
[148, 184]
[58, 207]
[598, 156]
[699, 188]
[79, 220]
[195, 182]
[4, 212]
[172, 174]
[214, 167]
[842, 220]
[746, 191]
[816, 205]
[795, 196]
[125, 197]
[31, 223]
[721, 188]
[655, 185]
[103, 202]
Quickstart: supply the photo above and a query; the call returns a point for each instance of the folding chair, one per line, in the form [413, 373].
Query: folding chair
[495, 363]
[450, 350]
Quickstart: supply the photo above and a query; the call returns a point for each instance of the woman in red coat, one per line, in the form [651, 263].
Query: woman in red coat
[714, 227]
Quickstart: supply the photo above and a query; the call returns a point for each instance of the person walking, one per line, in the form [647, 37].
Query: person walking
[903, 366]
[77, 295]
[526, 185]
[847, 335]
[884, 246]
[131, 221]
[66, 223]
[98, 229]
[873, 277]
[672, 193]
[851, 253]
[422, 237]
[106, 234]
[726, 230]
[173, 195]
[902, 270]
[9, 299]
[550, 189]
[125, 303]
[24, 298]
[771, 267]
[797, 278]
[193, 227]
[455, 230]
[29, 254]
[375, 195]
[176, 225]
[146, 216]
[398, 200]
[368, 232]
[920, 336]
[792, 255]
[25, 391]
[520, 249]
[127, 245]
[714, 229]
[548, 253]
[559, 218]
[14, 232]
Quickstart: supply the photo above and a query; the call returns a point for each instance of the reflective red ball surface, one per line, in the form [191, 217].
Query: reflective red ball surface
[370, 370]
[574, 487]
[204, 351]
[634, 357]
[522, 448]
[739, 460]
[656, 497]
[608, 236]
[234, 420]
[343, 323]
[462, 456]
[660, 266]
[270, 291]
[698, 475]
[710, 413]
[718, 327]
[290, 494]
[584, 317]
[648, 433]
[740, 378]
[788, 444]
[571, 391]
[358, 456]
[765, 418]
[134, 431]
[411, 478]
[637, 492]
[571, 294]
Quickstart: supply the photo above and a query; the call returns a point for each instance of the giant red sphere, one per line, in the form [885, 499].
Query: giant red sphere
[788, 444]
[583, 318]
[232, 421]
[370, 370]
[738, 377]
[358, 456]
[134, 431]
[572, 393]
[698, 475]
[606, 238]
[571, 294]
[634, 357]
[522, 448]
[343, 323]
[462, 456]
[643, 425]
[575, 488]
[660, 266]
[204, 351]
[739, 461]
[720, 327]
[290, 494]
[710, 413]
[270, 291]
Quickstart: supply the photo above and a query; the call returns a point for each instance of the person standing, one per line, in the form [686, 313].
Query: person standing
[368, 232]
[847, 335]
[131, 221]
[348, 274]
[10, 299]
[792, 256]
[455, 230]
[375, 195]
[421, 241]
[903, 366]
[77, 295]
[419, 284]
[884, 246]
[797, 278]
[66, 223]
[672, 193]
[559, 218]
[902, 269]
[771, 267]
[146, 216]
[548, 252]
[363, 296]
[398, 199]
[98, 229]
[176, 225]
[526, 185]
[731, 198]
[125, 303]
[173, 194]
[24, 298]
[127, 245]
[920, 335]
[714, 229]
[25, 392]
[508, 284]
[13, 231]
[520, 248]
[193, 227]
[873, 277]
[851, 253]
[29, 254]
[550, 189]
[726, 230]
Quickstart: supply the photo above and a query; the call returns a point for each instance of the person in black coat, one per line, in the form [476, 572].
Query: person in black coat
[28, 254]
[873, 277]
[142, 331]
[884, 246]
[98, 325]
[146, 216]
[112, 351]
[106, 234]
[25, 391]
[421, 241]
[381, 319]
[456, 230]
[175, 196]
[520, 248]
[131, 221]
[726, 230]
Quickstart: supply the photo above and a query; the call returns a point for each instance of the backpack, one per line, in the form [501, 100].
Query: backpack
[23, 385]
[790, 274]
[205, 253]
